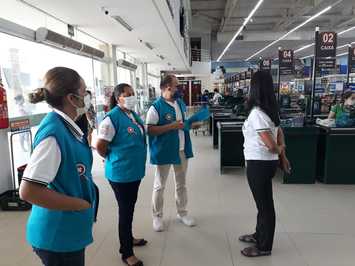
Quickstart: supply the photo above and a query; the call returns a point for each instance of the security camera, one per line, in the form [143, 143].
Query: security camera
[105, 11]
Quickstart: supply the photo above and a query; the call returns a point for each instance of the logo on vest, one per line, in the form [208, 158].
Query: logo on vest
[169, 117]
[81, 169]
[131, 130]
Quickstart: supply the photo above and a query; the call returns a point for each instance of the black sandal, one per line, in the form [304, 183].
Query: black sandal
[253, 252]
[139, 242]
[248, 239]
[138, 263]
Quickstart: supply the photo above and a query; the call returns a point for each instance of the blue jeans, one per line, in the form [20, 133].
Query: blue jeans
[50, 258]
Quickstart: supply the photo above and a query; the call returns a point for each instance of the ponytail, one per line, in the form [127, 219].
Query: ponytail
[113, 101]
[38, 95]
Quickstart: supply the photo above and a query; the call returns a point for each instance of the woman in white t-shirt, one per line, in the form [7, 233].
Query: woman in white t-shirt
[264, 148]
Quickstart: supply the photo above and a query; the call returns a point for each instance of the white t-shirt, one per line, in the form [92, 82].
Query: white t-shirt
[46, 157]
[107, 129]
[153, 119]
[254, 147]
[216, 98]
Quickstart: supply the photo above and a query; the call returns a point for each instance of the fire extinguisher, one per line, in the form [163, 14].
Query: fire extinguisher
[4, 114]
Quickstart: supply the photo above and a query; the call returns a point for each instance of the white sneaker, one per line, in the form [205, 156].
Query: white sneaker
[187, 220]
[158, 224]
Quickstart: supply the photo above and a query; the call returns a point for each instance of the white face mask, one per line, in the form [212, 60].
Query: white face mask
[130, 102]
[87, 103]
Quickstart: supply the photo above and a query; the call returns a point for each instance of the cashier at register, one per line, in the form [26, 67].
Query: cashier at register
[348, 100]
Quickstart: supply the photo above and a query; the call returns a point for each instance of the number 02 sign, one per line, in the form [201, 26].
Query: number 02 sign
[326, 49]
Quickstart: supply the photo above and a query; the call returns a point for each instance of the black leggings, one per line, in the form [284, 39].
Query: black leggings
[260, 174]
[126, 196]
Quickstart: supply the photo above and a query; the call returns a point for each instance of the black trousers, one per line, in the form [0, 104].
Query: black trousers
[126, 196]
[50, 258]
[260, 174]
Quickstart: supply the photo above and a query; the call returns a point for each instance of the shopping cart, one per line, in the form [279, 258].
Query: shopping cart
[204, 128]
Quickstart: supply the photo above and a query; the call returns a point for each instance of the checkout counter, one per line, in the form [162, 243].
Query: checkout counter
[336, 150]
[230, 145]
[222, 117]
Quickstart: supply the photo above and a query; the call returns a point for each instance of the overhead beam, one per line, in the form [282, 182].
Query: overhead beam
[228, 12]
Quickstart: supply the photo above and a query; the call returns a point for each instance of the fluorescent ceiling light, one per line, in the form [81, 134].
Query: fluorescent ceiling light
[304, 47]
[342, 54]
[308, 56]
[345, 31]
[291, 31]
[122, 22]
[311, 44]
[240, 29]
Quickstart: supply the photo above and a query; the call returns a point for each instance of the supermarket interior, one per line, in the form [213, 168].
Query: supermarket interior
[193, 79]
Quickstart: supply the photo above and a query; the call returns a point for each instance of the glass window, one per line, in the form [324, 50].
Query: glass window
[23, 65]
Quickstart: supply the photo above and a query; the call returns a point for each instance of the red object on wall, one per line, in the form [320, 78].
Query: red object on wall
[4, 114]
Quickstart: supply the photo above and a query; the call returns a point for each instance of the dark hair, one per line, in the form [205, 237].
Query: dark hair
[117, 92]
[216, 90]
[346, 95]
[89, 92]
[166, 81]
[262, 95]
[58, 83]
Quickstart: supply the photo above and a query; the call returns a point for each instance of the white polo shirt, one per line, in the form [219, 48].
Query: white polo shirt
[153, 119]
[254, 148]
[46, 157]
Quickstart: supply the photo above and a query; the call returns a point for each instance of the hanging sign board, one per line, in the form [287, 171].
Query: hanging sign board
[242, 76]
[286, 63]
[352, 60]
[326, 50]
[237, 77]
[265, 64]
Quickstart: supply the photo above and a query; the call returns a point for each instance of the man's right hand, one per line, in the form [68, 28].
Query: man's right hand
[177, 125]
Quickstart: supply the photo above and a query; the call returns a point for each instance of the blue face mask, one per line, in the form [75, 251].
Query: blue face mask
[176, 95]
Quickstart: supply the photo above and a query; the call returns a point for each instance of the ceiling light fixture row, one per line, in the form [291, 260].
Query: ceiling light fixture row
[240, 29]
[291, 31]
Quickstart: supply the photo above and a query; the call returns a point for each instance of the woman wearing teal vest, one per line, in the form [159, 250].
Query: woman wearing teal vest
[58, 180]
[122, 141]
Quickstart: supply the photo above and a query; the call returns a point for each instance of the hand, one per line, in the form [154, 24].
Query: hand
[285, 164]
[83, 205]
[177, 125]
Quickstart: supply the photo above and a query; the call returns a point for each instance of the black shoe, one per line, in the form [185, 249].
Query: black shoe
[253, 252]
[138, 263]
[248, 239]
[140, 242]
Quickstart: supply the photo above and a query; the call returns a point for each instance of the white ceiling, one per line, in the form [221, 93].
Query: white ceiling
[143, 16]
[223, 18]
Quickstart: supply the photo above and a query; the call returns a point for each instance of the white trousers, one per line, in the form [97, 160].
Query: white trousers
[161, 176]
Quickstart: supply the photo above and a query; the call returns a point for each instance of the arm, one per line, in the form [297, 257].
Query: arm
[285, 164]
[270, 143]
[331, 115]
[159, 130]
[42, 196]
[101, 147]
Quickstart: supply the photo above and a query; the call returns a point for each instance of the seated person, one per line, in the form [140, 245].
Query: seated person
[347, 101]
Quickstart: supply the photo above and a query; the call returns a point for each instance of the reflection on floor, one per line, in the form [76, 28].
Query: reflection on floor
[315, 225]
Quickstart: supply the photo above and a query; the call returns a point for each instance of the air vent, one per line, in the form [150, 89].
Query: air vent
[127, 65]
[46, 36]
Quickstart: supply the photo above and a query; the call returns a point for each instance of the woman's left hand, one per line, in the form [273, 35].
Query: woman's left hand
[285, 164]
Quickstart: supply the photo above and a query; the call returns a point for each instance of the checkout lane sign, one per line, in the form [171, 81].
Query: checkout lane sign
[265, 65]
[352, 60]
[286, 62]
[19, 125]
[326, 50]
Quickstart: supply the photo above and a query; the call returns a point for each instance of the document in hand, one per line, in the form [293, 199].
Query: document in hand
[201, 115]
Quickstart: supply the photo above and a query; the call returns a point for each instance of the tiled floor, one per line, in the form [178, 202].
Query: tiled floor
[315, 225]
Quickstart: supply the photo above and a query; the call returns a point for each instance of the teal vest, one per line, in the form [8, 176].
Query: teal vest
[165, 148]
[127, 152]
[64, 231]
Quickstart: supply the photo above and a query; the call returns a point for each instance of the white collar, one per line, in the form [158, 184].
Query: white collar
[75, 129]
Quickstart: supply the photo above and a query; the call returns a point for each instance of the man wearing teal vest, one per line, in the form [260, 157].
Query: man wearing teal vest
[170, 146]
